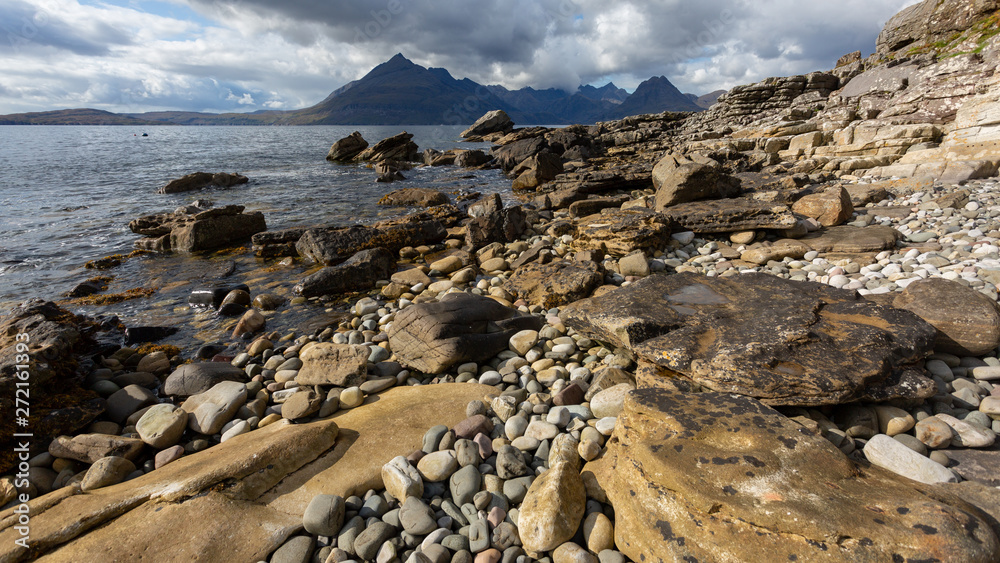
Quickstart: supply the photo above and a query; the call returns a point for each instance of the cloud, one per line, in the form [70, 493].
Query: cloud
[240, 55]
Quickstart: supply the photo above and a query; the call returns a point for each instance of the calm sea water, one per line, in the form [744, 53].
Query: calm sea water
[67, 194]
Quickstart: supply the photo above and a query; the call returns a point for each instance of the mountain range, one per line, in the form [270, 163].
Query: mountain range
[400, 92]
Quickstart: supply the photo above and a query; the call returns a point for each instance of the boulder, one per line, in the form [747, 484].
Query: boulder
[512, 154]
[831, 207]
[554, 284]
[359, 273]
[494, 223]
[622, 231]
[347, 148]
[333, 245]
[495, 121]
[208, 412]
[434, 157]
[397, 147]
[327, 363]
[679, 180]
[780, 341]
[431, 337]
[201, 180]
[191, 379]
[471, 159]
[729, 216]
[720, 477]
[206, 230]
[536, 170]
[417, 197]
[967, 322]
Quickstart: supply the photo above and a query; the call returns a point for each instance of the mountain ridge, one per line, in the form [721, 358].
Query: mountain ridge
[401, 92]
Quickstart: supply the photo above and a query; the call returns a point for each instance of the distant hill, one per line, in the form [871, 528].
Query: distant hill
[82, 116]
[400, 92]
[706, 101]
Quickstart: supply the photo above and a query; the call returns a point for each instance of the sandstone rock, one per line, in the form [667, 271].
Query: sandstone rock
[493, 223]
[831, 207]
[680, 180]
[89, 448]
[536, 170]
[552, 509]
[418, 197]
[967, 322]
[805, 344]
[706, 476]
[554, 284]
[358, 273]
[201, 180]
[729, 215]
[889, 454]
[401, 479]
[495, 121]
[162, 425]
[471, 159]
[397, 147]
[208, 412]
[622, 231]
[512, 154]
[191, 379]
[327, 363]
[347, 148]
[778, 250]
[862, 194]
[431, 337]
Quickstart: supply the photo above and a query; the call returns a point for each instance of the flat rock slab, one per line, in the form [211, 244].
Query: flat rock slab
[388, 425]
[976, 465]
[783, 342]
[554, 284]
[719, 477]
[271, 474]
[730, 215]
[847, 238]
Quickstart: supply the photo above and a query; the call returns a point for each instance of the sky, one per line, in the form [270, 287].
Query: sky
[134, 56]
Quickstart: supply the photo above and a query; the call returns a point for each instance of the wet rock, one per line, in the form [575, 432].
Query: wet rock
[397, 147]
[418, 197]
[431, 337]
[344, 150]
[141, 334]
[208, 230]
[326, 363]
[250, 323]
[967, 322]
[784, 342]
[201, 180]
[622, 231]
[554, 284]
[191, 379]
[690, 475]
[358, 273]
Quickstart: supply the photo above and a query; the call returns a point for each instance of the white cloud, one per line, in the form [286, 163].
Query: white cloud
[240, 55]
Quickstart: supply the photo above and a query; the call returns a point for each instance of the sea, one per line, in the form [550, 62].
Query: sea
[67, 194]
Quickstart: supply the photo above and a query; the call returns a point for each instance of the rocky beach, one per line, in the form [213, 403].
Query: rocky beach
[768, 331]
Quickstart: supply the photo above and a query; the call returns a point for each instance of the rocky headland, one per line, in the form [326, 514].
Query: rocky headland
[764, 332]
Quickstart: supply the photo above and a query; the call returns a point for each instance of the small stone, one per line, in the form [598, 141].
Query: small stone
[301, 404]
[893, 420]
[541, 430]
[570, 552]
[162, 425]
[241, 427]
[934, 432]
[351, 397]
[552, 509]
[437, 466]
[473, 425]
[416, 517]
[432, 438]
[168, 455]
[598, 532]
[488, 556]
[510, 463]
[297, 549]
[523, 341]
[464, 484]
[968, 435]
[402, 480]
[610, 402]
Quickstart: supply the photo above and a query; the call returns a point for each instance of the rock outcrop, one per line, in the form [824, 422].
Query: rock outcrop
[496, 121]
[357, 273]
[782, 342]
[347, 148]
[333, 245]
